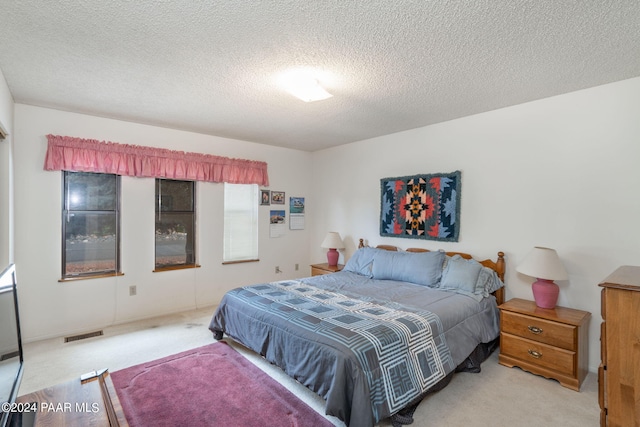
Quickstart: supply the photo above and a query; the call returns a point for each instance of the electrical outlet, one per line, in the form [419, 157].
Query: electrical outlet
[133, 290]
[278, 270]
[297, 267]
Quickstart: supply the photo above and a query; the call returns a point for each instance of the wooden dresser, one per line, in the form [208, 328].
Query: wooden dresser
[619, 371]
[548, 342]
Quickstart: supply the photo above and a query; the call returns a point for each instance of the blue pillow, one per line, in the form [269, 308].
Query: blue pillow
[421, 268]
[489, 281]
[469, 277]
[361, 261]
[461, 275]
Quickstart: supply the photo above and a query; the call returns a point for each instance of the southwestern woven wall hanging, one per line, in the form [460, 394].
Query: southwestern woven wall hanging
[421, 206]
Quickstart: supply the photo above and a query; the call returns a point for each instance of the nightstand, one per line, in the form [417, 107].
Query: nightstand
[319, 269]
[548, 342]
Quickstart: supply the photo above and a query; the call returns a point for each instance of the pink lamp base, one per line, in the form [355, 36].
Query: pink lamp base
[545, 293]
[332, 257]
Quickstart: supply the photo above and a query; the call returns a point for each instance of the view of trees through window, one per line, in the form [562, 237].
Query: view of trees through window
[175, 223]
[90, 224]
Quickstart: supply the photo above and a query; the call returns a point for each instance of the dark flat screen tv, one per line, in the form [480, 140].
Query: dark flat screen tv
[11, 356]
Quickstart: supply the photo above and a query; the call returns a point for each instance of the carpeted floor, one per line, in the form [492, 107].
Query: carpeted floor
[497, 397]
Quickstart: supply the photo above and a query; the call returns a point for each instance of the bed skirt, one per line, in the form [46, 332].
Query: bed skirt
[470, 364]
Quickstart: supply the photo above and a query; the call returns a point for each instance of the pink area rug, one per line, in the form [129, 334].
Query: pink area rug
[212, 385]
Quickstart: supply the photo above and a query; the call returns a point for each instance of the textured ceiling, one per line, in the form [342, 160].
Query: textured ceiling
[392, 65]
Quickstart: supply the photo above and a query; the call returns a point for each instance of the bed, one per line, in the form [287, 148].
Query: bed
[378, 336]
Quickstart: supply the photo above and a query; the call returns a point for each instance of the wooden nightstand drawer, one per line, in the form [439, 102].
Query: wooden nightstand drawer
[543, 355]
[318, 272]
[536, 329]
[319, 269]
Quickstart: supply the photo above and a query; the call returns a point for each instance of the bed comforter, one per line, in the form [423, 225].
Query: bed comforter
[368, 347]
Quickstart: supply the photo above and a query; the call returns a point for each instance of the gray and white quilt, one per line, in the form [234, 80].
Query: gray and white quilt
[368, 347]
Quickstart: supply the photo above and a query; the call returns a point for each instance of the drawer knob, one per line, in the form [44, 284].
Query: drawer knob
[534, 354]
[534, 329]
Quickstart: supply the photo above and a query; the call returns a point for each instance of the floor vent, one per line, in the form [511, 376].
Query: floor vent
[9, 355]
[83, 336]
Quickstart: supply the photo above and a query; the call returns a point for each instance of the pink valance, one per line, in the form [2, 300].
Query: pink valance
[89, 155]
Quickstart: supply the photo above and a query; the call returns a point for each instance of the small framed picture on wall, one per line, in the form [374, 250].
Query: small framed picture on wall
[264, 197]
[277, 197]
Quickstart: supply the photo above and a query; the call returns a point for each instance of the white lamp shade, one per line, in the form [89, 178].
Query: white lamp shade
[543, 263]
[332, 241]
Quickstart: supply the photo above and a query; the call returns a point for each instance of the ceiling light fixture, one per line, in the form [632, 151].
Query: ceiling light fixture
[303, 84]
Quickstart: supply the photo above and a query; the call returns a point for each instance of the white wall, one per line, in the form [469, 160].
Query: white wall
[6, 176]
[560, 172]
[51, 308]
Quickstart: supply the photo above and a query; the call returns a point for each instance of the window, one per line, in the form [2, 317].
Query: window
[90, 224]
[240, 222]
[175, 224]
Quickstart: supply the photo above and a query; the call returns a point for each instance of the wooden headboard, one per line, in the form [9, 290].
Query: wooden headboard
[498, 265]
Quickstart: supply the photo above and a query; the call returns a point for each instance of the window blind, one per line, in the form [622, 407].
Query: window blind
[240, 222]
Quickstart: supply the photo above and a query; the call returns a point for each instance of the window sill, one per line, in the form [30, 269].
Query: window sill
[86, 277]
[175, 267]
[240, 261]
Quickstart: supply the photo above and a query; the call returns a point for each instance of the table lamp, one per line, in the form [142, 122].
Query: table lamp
[333, 242]
[545, 265]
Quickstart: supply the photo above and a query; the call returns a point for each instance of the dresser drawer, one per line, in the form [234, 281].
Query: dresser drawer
[603, 341]
[601, 387]
[539, 354]
[544, 331]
